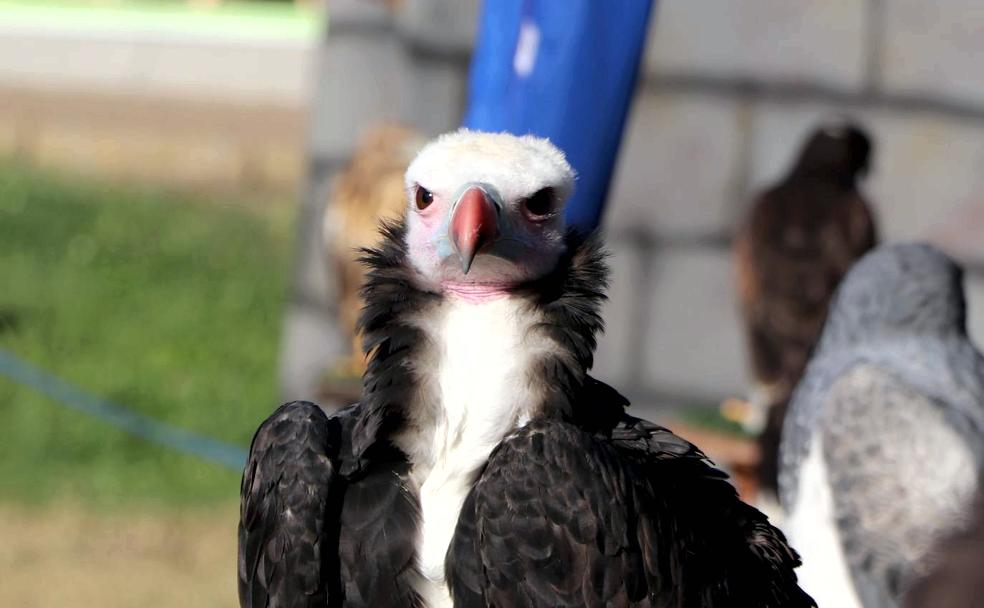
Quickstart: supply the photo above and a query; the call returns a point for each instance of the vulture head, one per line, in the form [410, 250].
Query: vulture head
[485, 211]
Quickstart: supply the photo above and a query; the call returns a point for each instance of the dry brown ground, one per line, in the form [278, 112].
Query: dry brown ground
[197, 145]
[72, 556]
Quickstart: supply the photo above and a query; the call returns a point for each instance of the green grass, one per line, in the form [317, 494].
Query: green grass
[159, 302]
[250, 20]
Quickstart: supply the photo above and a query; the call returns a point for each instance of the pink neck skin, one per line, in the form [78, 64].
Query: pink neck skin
[475, 292]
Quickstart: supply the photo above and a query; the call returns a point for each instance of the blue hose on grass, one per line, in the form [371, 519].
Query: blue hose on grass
[178, 439]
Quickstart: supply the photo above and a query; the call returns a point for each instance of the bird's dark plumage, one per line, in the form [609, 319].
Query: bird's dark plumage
[309, 536]
[801, 238]
[290, 467]
[564, 501]
[628, 516]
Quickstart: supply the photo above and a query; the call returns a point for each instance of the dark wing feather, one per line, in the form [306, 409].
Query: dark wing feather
[721, 551]
[465, 573]
[377, 535]
[286, 553]
[310, 536]
[538, 531]
[562, 517]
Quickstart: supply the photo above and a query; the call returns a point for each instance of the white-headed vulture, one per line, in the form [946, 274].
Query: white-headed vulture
[483, 465]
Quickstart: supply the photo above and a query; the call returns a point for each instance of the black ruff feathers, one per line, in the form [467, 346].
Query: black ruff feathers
[569, 300]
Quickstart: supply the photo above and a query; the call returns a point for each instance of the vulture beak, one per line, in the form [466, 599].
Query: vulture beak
[474, 224]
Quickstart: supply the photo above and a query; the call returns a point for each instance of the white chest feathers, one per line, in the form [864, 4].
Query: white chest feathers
[477, 391]
[813, 533]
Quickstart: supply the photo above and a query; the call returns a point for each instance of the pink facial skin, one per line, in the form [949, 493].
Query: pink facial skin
[475, 293]
[424, 228]
[515, 250]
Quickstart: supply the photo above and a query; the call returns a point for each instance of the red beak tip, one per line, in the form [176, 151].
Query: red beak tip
[473, 225]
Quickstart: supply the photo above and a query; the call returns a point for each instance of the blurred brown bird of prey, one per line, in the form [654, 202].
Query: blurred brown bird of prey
[369, 190]
[801, 237]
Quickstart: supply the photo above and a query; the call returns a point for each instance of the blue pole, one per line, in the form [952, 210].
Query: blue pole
[565, 70]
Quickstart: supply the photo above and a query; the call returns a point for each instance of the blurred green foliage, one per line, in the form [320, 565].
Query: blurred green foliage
[162, 303]
[709, 418]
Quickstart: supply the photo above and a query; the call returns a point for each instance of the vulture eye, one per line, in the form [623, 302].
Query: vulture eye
[424, 198]
[540, 206]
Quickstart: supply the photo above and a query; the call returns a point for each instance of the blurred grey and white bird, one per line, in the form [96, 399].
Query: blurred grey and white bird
[882, 447]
